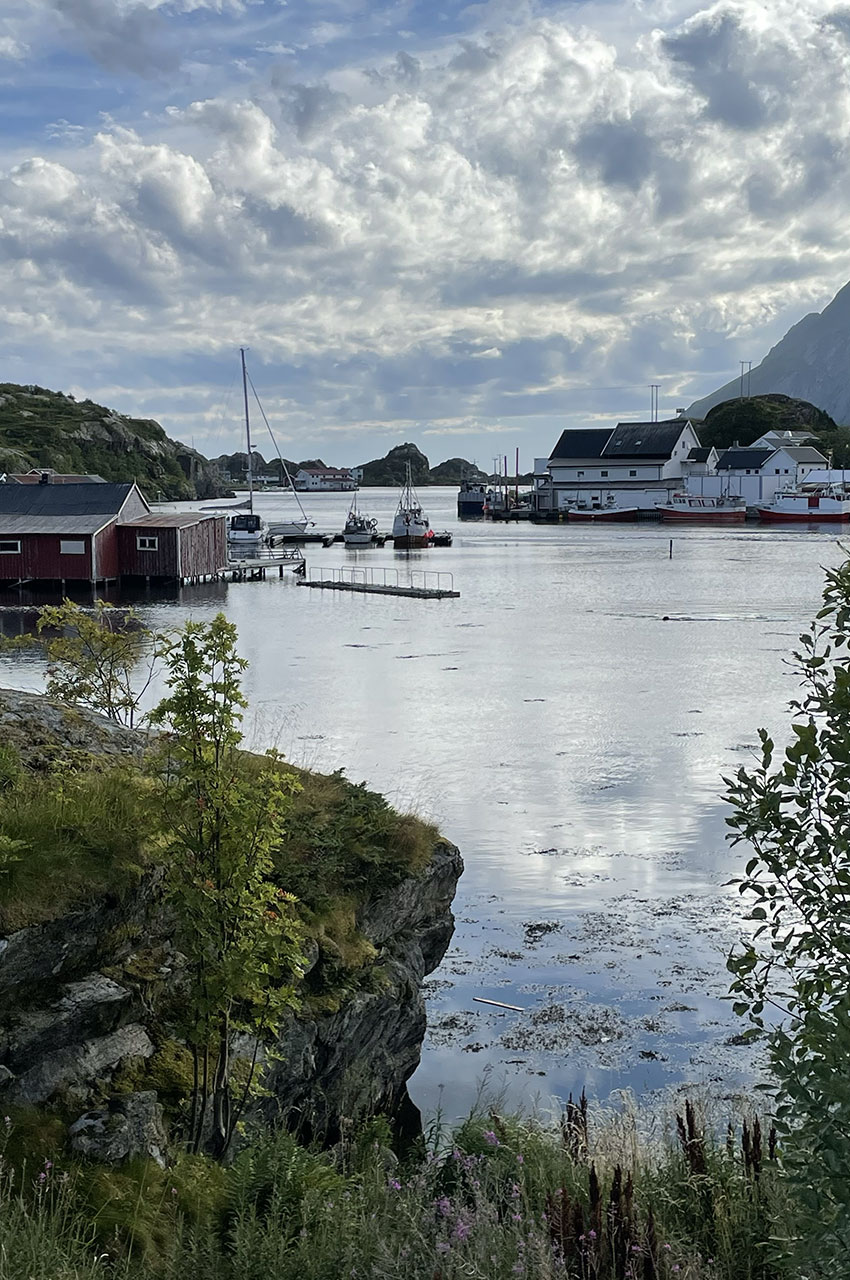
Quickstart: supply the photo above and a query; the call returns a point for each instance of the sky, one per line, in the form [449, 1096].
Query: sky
[465, 225]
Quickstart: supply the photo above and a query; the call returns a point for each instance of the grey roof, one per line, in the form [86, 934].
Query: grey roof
[170, 520]
[63, 499]
[581, 443]
[644, 439]
[15, 525]
[804, 453]
[698, 455]
[734, 459]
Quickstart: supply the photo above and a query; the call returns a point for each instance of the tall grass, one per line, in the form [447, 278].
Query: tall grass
[500, 1197]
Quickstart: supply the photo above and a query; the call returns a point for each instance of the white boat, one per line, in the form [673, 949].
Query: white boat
[410, 526]
[809, 503]
[359, 529]
[701, 508]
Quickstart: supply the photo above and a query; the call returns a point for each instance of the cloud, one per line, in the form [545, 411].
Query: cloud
[475, 230]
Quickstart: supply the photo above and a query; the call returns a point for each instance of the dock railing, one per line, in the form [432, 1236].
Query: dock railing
[419, 579]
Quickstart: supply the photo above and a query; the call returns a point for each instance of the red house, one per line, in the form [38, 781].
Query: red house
[173, 545]
[64, 532]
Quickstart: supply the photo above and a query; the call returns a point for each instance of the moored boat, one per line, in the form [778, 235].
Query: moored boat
[810, 504]
[704, 508]
[601, 514]
[470, 500]
[411, 527]
[359, 529]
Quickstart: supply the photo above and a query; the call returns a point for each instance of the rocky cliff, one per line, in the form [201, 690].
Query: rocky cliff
[84, 997]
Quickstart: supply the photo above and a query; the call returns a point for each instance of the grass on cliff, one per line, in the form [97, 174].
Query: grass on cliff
[87, 827]
[501, 1197]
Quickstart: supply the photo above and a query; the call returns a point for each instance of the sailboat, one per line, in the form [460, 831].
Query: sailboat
[246, 529]
[410, 526]
[359, 529]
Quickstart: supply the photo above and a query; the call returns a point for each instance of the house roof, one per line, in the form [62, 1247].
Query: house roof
[34, 477]
[170, 520]
[644, 439]
[698, 455]
[734, 459]
[63, 500]
[581, 443]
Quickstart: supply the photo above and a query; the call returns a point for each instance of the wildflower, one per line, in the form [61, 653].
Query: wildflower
[520, 1158]
[591, 1235]
[490, 1138]
[518, 1268]
[7, 1120]
[48, 1164]
[666, 1246]
[443, 1206]
[443, 1246]
[517, 1217]
[514, 1190]
[42, 1177]
[174, 1191]
[394, 1184]
[675, 1266]
[461, 1231]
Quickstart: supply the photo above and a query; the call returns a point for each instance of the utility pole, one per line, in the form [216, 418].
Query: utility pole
[653, 401]
[749, 371]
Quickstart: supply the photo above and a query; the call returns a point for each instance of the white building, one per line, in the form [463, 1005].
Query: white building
[757, 472]
[638, 464]
[333, 478]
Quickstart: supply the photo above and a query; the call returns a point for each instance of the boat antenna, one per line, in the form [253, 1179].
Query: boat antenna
[247, 432]
[277, 450]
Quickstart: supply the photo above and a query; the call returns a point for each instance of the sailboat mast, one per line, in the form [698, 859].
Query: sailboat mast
[248, 433]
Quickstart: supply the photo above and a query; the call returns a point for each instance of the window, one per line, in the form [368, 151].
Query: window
[776, 471]
[786, 471]
[632, 473]
[580, 474]
[603, 473]
[72, 547]
[146, 543]
[10, 547]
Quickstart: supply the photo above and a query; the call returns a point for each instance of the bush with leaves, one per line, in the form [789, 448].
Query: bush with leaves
[792, 976]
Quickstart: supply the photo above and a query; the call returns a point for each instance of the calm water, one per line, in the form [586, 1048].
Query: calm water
[567, 723]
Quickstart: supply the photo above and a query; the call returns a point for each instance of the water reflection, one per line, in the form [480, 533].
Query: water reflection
[567, 722]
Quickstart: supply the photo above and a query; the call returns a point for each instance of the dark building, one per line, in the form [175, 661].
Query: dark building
[64, 532]
[175, 545]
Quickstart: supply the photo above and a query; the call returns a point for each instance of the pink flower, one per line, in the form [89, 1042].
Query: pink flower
[461, 1231]
[394, 1184]
[443, 1205]
[490, 1137]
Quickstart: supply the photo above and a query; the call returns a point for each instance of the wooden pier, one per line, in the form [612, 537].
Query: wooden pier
[424, 584]
[254, 568]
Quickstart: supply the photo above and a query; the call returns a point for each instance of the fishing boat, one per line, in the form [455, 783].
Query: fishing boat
[809, 503]
[610, 512]
[704, 508]
[410, 525]
[471, 498]
[359, 529]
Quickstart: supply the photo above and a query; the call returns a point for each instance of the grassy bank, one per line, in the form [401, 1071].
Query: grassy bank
[498, 1198]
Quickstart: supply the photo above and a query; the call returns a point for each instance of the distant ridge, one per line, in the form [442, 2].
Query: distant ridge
[392, 468]
[812, 362]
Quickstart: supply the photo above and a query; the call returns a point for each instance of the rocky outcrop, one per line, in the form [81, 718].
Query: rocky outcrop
[84, 998]
[132, 1126]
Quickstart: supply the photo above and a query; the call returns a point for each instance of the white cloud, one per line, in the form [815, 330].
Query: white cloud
[467, 228]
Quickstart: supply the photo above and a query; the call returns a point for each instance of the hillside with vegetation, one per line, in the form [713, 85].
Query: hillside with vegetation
[42, 428]
[742, 421]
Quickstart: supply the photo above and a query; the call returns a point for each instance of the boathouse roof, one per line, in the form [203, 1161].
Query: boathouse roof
[644, 439]
[581, 443]
[63, 500]
[698, 455]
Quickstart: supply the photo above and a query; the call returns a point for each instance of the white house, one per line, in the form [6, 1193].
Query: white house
[757, 472]
[334, 478]
[637, 464]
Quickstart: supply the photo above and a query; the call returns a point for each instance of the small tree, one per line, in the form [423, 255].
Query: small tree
[792, 977]
[103, 658]
[237, 929]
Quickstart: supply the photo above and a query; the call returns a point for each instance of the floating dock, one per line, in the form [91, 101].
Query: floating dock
[254, 568]
[424, 584]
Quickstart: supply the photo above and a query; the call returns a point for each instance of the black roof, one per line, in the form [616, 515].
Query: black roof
[698, 455]
[644, 439]
[63, 499]
[581, 443]
[734, 459]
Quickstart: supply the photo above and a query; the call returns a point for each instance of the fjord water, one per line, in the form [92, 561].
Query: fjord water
[567, 722]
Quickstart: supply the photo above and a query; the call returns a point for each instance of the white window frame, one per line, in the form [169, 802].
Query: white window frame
[147, 542]
[5, 544]
[72, 547]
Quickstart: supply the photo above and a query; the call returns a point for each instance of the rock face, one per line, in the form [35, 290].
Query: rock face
[809, 363]
[81, 996]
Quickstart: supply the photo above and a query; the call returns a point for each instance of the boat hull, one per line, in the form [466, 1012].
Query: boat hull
[704, 515]
[410, 540]
[813, 516]
[357, 539]
[612, 515]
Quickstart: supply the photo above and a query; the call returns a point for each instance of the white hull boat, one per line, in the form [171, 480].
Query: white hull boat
[359, 529]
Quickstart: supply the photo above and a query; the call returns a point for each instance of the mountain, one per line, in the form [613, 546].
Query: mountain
[235, 465]
[391, 469]
[745, 420]
[809, 363]
[41, 428]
